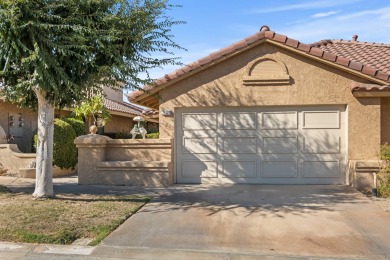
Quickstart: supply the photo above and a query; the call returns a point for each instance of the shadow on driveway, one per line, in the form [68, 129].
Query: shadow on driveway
[307, 220]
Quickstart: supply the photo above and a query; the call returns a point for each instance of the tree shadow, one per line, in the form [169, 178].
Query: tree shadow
[261, 200]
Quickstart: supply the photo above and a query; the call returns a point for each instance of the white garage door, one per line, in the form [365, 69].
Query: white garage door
[288, 145]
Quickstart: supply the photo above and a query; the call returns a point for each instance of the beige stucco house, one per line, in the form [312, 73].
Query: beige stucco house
[270, 109]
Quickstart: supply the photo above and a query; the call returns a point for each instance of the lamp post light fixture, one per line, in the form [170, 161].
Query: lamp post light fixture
[138, 129]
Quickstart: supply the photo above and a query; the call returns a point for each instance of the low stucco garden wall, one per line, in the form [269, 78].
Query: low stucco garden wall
[13, 159]
[144, 162]
[23, 164]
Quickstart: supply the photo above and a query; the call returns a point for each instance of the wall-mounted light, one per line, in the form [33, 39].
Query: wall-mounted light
[165, 112]
[21, 120]
[11, 121]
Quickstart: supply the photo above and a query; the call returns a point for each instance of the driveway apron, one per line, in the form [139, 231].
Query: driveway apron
[305, 220]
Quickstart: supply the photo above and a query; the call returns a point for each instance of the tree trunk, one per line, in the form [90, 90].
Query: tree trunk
[44, 160]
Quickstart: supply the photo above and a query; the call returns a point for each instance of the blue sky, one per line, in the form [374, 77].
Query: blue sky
[214, 24]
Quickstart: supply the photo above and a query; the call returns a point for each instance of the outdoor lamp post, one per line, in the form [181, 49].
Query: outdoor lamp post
[138, 129]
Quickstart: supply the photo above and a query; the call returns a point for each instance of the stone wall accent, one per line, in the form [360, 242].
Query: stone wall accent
[144, 162]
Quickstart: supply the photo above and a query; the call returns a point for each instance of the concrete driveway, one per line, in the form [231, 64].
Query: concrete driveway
[252, 220]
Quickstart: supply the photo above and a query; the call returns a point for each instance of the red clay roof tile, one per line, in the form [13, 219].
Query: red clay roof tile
[122, 107]
[329, 56]
[356, 86]
[342, 61]
[251, 39]
[280, 38]
[304, 47]
[369, 70]
[269, 34]
[292, 43]
[355, 65]
[316, 52]
[383, 76]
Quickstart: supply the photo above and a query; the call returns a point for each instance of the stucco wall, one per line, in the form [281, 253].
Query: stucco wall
[385, 120]
[312, 83]
[119, 124]
[23, 135]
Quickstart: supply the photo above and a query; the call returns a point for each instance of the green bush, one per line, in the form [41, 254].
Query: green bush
[383, 177]
[153, 136]
[77, 125]
[64, 149]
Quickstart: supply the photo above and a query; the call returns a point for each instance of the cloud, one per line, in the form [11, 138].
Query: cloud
[382, 13]
[305, 6]
[320, 15]
[370, 25]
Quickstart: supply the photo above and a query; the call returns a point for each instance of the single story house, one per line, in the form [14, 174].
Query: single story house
[17, 124]
[272, 110]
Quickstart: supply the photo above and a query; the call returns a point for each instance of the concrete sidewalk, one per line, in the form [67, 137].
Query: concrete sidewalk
[69, 185]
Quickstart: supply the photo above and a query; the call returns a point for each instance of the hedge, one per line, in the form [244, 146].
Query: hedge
[77, 125]
[64, 149]
[153, 136]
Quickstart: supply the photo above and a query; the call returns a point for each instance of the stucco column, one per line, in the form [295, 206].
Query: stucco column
[91, 151]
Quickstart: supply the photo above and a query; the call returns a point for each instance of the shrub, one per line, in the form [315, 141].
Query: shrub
[77, 125]
[64, 149]
[383, 177]
[153, 136]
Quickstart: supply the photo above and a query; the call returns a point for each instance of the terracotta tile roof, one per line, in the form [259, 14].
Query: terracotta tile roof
[122, 107]
[364, 64]
[150, 112]
[376, 55]
[361, 87]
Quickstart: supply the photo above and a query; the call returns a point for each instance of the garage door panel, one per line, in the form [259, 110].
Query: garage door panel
[279, 145]
[239, 169]
[199, 169]
[237, 145]
[239, 121]
[321, 119]
[199, 145]
[279, 169]
[321, 144]
[199, 121]
[279, 120]
[321, 169]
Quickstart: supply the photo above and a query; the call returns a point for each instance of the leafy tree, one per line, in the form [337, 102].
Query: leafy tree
[93, 108]
[54, 52]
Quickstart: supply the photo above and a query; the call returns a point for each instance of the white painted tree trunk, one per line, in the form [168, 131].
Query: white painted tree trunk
[44, 177]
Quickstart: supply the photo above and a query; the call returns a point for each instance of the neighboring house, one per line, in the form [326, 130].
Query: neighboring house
[20, 123]
[270, 109]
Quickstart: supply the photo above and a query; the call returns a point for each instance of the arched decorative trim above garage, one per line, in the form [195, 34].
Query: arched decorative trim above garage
[266, 70]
